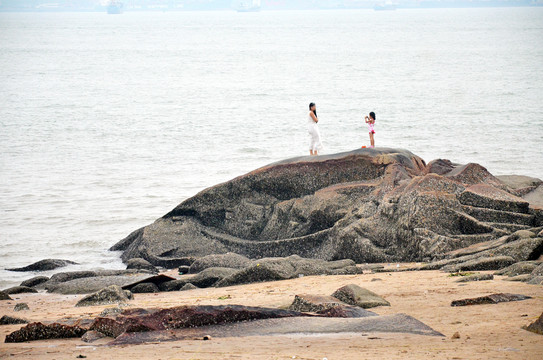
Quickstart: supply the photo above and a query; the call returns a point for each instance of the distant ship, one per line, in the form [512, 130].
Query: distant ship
[385, 6]
[114, 7]
[249, 6]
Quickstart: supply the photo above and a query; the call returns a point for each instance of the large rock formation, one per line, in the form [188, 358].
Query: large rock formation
[369, 205]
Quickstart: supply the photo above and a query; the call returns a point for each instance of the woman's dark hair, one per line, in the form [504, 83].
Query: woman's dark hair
[314, 111]
[372, 115]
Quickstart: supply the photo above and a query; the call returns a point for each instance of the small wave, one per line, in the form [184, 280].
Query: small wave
[249, 150]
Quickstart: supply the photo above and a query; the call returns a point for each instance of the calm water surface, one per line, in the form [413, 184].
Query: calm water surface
[108, 122]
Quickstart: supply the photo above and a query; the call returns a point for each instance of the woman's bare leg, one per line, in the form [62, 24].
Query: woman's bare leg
[372, 140]
[311, 152]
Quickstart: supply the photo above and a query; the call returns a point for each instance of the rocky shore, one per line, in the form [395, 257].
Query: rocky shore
[367, 216]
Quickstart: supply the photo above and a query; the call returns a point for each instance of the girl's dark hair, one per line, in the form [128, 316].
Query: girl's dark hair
[314, 111]
[372, 115]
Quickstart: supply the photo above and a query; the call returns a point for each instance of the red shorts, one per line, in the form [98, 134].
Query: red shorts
[372, 132]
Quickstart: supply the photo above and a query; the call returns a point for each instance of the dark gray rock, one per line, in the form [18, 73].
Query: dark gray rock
[183, 269]
[228, 260]
[346, 311]
[173, 285]
[535, 280]
[314, 303]
[211, 276]
[475, 277]
[110, 295]
[272, 269]
[521, 278]
[490, 299]
[484, 263]
[4, 296]
[166, 261]
[520, 250]
[188, 286]
[10, 320]
[355, 295]
[44, 265]
[21, 307]
[92, 336]
[520, 268]
[369, 205]
[327, 306]
[73, 275]
[145, 288]
[521, 234]
[139, 264]
[19, 290]
[111, 311]
[35, 281]
[87, 285]
[538, 271]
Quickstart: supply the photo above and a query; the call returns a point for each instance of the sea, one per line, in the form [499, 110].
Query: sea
[107, 122]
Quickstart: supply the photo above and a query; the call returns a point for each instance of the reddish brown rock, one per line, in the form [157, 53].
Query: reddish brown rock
[142, 320]
[40, 331]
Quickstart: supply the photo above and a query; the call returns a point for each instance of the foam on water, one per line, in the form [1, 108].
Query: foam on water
[108, 122]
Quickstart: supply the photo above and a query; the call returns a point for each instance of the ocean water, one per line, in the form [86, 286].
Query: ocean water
[108, 122]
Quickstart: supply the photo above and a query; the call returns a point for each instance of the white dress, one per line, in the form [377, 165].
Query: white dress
[314, 134]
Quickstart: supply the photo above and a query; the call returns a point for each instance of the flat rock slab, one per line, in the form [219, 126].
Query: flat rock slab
[475, 277]
[490, 299]
[481, 264]
[92, 284]
[486, 196]
[399, 323]
[45, 265]
[346, 311]
[520, 268]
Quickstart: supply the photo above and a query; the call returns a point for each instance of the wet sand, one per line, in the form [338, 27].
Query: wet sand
[486, 331]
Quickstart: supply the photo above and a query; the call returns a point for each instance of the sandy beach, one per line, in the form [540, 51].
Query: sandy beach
[486, 331]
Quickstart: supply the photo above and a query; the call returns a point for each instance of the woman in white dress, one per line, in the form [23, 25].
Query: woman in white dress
[315, 144]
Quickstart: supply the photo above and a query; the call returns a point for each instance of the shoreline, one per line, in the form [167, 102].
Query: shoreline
[486, 331]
